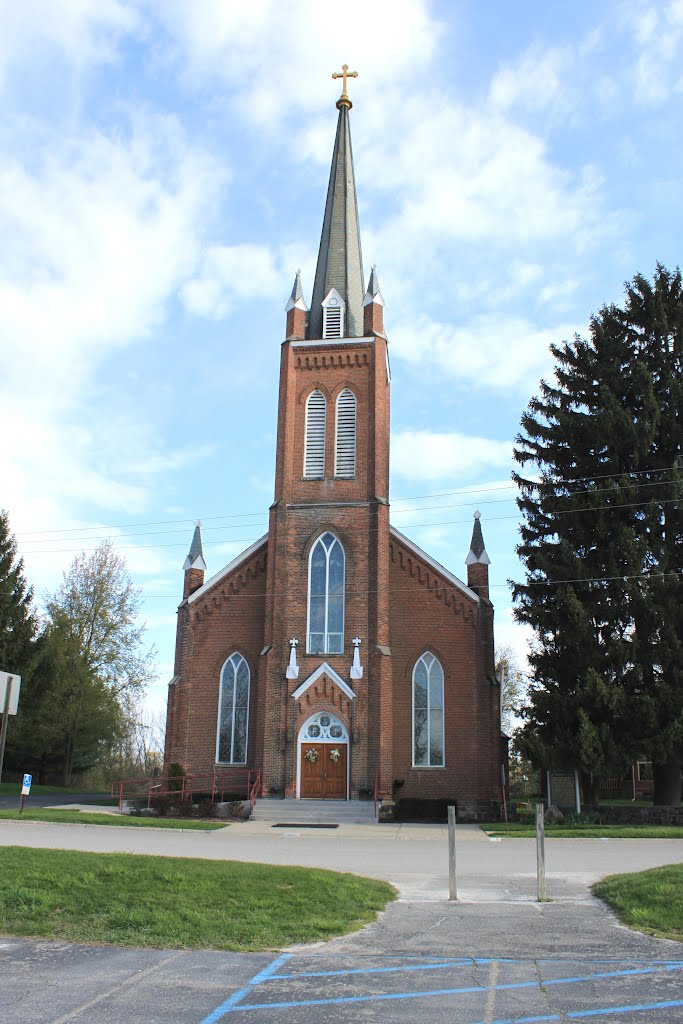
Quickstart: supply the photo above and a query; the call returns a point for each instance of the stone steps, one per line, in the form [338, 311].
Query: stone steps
[315, 812]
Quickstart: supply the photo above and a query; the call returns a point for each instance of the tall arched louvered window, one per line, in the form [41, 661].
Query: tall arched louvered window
[326, 596]
[428, 735]
[233, 711]
[314, 445]
[345, 439]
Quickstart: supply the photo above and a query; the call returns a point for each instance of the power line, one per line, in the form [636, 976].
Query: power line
[408, 526]
[424, 508]
[414, 497]
[445, 586]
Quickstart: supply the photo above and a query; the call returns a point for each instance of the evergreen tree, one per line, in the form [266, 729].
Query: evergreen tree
[600, 526]
[17, 620]
[88, 669]
[653, 320]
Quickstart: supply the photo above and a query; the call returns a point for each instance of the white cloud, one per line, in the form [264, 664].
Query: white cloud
[84, 31]
[475, 176]
[657, 31]
[96, 239]
[98, 234]
[536, 82]
[229, 273]
[491, 350]
[277, 55]
[424, 455]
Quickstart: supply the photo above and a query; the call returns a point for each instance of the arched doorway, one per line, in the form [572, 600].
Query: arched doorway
[323, 759]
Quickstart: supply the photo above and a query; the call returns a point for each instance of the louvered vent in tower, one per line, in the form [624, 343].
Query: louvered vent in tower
[333, 315]
[314, 448]
[345, 441]
[333, 322]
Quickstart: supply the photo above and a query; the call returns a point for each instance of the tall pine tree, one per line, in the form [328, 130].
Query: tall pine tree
[600, 530]
[653, 321]
[17, 621]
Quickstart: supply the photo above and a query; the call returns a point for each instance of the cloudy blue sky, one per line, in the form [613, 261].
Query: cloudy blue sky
[163, 168]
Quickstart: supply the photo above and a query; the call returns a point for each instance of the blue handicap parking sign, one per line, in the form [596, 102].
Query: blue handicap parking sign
[28, 779]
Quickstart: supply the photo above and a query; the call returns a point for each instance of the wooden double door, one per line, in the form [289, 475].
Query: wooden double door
[323, 771]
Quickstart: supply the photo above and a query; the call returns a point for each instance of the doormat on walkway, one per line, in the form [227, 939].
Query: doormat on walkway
[301, 824]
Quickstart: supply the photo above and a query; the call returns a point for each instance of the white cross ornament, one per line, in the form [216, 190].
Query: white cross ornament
[292, 669]
[356, 667]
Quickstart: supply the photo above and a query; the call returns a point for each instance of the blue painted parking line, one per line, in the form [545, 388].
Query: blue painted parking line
[235, 1003]
[602, 1011]
[232, 1003]
[372, 970]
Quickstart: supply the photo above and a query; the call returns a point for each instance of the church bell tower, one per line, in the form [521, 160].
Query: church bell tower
[326, 649]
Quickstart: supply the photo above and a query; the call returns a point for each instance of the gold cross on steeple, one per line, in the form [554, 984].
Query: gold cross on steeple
[344, 74]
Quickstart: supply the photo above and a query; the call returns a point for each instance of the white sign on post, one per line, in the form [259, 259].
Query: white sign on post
[14, 696]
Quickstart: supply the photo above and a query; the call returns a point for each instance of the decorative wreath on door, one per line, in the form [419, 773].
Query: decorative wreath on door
[311, 754]
[335, 754]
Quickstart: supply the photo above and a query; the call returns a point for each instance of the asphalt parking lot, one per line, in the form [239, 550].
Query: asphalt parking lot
[497, 956]
[53, 983]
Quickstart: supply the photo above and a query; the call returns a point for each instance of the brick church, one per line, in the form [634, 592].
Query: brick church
[334, 654]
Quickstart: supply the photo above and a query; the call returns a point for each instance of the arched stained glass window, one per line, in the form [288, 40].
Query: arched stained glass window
[314, 444]
[326, 596]
[428, 736]
[233, 711]
[345, 438]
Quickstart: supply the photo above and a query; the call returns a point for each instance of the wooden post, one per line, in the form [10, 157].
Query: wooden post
[5, 719]
[452, 889]
[540, 851]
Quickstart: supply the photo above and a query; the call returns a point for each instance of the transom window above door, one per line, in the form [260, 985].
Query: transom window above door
[324, 728]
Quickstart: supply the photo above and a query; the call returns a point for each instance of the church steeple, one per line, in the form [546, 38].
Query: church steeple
[194, 566]
[340, 263]
[478, 561]
[296, 310]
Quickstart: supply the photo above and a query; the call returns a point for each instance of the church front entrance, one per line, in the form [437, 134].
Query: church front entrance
[323, 771]
[323, 759]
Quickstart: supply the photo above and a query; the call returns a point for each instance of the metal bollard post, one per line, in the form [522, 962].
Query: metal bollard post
[540, 850]
[452, 890]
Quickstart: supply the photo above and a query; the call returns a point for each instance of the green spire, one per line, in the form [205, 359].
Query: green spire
[195, 558]
[340, 263]
[477, 552]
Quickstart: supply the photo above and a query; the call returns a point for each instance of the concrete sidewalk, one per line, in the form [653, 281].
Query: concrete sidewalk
[412, 857]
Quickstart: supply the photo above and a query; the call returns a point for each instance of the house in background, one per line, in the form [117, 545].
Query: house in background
[334, 655]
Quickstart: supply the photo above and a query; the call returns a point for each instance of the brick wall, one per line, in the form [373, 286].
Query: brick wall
[398, 605]
[430, 613]
[228, 617]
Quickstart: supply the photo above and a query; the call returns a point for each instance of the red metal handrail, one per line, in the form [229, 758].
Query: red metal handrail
[184, 786]
[253, 789]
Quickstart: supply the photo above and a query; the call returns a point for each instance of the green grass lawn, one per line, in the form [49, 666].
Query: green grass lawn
[88, 818]
[179, 903]
[14, 789]
[524, 830]
[650, 901]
